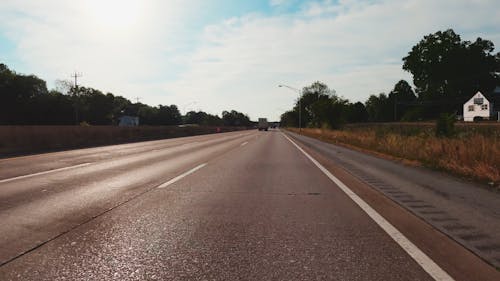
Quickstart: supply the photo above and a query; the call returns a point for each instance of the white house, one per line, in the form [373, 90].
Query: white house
[477, 106]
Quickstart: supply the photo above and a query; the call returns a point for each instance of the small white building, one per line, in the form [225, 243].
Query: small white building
[477, 107]
[128, 121]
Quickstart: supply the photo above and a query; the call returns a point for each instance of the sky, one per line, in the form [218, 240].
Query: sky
[216, 55]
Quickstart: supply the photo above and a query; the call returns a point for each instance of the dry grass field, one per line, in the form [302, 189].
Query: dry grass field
[474, 152]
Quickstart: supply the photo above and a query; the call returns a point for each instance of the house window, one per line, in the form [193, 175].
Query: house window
[471, 108]
[484, 107]
[478, 101]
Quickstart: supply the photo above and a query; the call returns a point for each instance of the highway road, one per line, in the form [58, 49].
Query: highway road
[234, 206]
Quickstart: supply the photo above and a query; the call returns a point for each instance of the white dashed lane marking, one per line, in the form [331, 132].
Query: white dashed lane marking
[179, 177]
[44, 172]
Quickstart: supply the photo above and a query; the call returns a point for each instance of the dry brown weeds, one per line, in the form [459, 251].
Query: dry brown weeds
[475, 156]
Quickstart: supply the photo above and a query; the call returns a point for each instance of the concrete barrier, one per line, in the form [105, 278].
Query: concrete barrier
[17, 140]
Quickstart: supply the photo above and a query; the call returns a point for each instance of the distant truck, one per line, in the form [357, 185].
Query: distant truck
[263, 125]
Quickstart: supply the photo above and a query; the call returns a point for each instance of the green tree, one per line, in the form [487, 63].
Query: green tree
[447, 71]
[148, 115]
[18, 93]
[169, 115]
[289, 119]
[202, 118]
[445, 125]
[321, 107]
[379, 108]
[119, 105]
[403, 98]
[95, 107]
[356, 113]
[235, 118]
[27, 101]
[52, 108]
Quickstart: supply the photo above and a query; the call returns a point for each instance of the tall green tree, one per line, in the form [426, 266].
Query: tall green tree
[95, 107]
[169, 115]
[52, 108]
[447, 71]
[202, 118]
[148, 115]
[18, 93]
[321, 107]
[379, 108]
[403, 99]
[356, 113]
[289, 119]
[235, 118]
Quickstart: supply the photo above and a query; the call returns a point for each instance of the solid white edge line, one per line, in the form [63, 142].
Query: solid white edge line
[243, 144]
[179, 177]
[44, 172]
[413, 251]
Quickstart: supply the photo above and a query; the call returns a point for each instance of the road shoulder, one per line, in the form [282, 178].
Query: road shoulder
[459, 262]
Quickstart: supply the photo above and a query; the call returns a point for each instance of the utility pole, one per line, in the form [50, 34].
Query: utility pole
[76, 75]
[300, 112]
[137, 99]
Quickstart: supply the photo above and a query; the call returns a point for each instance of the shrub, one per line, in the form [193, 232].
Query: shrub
[445, 125]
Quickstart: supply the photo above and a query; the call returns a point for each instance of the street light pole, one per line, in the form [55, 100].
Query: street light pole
[300, 105]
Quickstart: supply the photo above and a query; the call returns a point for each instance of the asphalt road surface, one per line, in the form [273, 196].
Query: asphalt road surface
[235, 206]
[468, 212]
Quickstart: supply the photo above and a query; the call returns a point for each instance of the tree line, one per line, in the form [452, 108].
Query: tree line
[27, 101]
[446, 73]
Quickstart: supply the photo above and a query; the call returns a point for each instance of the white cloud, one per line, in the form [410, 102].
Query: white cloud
[118, 49]
[354, 46]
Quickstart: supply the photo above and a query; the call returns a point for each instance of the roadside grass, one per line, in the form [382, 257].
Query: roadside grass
[473, 153]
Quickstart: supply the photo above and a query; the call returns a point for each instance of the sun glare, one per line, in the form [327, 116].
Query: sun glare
[115, 13]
